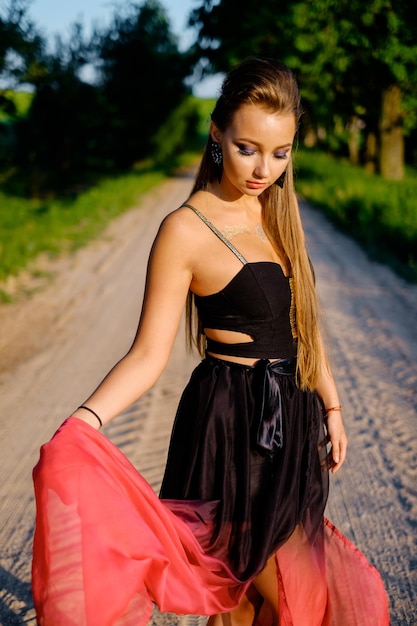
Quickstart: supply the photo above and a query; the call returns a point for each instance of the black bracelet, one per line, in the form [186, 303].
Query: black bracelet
[91, 411]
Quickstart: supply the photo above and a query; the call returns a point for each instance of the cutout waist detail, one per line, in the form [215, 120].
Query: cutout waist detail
[254, 349]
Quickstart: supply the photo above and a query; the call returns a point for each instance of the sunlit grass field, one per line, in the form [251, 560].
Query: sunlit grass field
[29, 227]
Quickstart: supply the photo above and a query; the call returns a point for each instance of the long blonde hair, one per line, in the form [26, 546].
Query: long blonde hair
[268, 83]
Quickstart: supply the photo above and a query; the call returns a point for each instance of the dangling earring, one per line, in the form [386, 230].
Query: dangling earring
[280, 181]
[217, 156]
[216, 153]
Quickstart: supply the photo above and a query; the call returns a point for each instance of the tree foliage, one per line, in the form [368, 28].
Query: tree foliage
[355, 64]
[76, 130]
[20, 45]
[142, 77]
[348, 56]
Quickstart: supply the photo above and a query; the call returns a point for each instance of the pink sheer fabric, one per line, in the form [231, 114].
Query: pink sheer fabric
[106, 548]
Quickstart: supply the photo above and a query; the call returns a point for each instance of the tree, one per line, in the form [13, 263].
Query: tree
[19, 46]
[58, 141]
[77, 130]
[355, 62]
[142, 78]
[367, 64]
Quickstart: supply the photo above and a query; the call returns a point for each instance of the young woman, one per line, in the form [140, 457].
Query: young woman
[238, 533]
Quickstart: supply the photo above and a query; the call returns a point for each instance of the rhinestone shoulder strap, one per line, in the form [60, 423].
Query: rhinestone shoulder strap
[217, 232]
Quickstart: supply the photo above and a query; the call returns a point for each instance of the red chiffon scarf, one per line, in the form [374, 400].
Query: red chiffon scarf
[106, 548]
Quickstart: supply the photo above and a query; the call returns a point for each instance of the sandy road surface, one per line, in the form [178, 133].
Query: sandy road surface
[55, 347]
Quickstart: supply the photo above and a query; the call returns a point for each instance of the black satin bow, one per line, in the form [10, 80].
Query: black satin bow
[270, 436]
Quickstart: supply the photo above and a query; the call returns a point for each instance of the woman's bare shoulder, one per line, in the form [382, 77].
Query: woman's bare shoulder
[182, 222]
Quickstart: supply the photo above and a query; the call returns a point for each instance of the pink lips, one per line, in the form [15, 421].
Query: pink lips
[255, 185]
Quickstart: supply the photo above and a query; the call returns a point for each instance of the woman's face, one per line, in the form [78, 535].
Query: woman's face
[256, 148]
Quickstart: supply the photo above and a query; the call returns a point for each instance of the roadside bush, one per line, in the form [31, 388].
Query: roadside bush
[184, 132]
[178, 134]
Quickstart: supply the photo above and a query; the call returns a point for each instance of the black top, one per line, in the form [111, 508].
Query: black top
[256, 302]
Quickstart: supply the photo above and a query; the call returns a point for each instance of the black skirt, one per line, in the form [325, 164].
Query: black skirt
[249, 441]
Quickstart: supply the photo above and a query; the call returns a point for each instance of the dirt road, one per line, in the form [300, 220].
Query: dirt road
[57, 345]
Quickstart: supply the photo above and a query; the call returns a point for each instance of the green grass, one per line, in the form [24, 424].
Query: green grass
[30, 227]
[380, 214]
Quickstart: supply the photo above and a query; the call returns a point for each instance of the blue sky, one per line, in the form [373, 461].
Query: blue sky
[55, 17]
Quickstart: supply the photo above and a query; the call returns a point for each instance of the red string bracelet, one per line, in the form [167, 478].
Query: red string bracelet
[333, 408]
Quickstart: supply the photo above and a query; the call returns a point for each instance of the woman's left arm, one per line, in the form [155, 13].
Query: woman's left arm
[327, 391]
